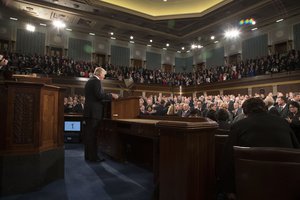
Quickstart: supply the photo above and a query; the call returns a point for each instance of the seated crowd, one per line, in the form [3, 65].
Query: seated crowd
[63, 66]
[224, 109]
[74, 104]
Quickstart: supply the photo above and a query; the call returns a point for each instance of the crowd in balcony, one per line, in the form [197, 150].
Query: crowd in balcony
[63, 66]
[252, 67]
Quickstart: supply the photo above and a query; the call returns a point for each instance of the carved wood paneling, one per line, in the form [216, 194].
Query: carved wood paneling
[289, 88]
[257, 90]
[242, 91]
[49, 118]
[3, 114]
[137, 94]
[152, 93]
[213, 92]
[23, 129]
[33, 118]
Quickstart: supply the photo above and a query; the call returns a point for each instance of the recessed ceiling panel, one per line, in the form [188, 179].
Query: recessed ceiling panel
[159, 8]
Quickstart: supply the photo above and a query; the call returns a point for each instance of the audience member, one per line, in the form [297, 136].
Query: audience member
[223, 119]
[282, 106]
[186, 111]
[212, 111]
[271, 109]
[3, 61]
[258, 129]
[294, 118]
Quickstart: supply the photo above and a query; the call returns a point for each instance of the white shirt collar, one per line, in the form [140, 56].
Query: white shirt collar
[97, 77]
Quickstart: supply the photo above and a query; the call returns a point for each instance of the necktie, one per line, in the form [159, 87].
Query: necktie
[280, 108]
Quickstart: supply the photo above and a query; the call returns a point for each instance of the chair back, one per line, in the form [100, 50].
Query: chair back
[219, 146]
[265, 173]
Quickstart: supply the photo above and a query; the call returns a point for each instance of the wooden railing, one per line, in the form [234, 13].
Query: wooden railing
[283, 82]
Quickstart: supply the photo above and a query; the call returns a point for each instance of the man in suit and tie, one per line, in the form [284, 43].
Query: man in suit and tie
[186, 111]
[282, 107]
[93, 112]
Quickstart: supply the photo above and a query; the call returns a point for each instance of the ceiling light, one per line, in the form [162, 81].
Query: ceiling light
[216, 41]
[164, 48]
[59, 24]
[13, 18]
[30, 28]
[194, 46]
[165, 0]
[212, 37]
[178, 51]
[131, 41]
[253, 29]
[148, 45]
[113, 38]
[91, 33]
[232, 33]
[167, 44]
[131, 37]
[151, 40]
[68, 29]
[188, 51]
[279, 20]
[43, 24]
[182, 48]
[111, 33]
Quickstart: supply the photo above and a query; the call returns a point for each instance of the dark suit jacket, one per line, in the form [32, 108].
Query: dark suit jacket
[257, 130]
[186, 113]
[273, 111]
[284, 112]
[78, 108]
[94, 97]
[295, 125]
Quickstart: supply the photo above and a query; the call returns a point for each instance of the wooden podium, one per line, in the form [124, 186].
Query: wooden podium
[180, 150]
[31, 137]
[109, 140]
[125, 108]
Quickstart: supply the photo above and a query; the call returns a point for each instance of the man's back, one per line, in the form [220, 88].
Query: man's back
[263, 130]
[258, 129]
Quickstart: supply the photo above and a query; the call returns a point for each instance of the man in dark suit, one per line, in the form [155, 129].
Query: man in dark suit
[258, 129]
[271, 109]
[93, 112]
[282, 107]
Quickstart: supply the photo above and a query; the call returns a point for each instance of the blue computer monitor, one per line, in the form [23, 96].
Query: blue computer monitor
[72, 126]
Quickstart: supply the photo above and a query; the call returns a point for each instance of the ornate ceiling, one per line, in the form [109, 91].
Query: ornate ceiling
[177, 22]
[159, 9]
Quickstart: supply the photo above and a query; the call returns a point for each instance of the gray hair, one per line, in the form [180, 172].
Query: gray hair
[269, 101]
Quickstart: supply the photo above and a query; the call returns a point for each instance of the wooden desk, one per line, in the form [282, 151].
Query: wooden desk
[183, 153]
[31, 136]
